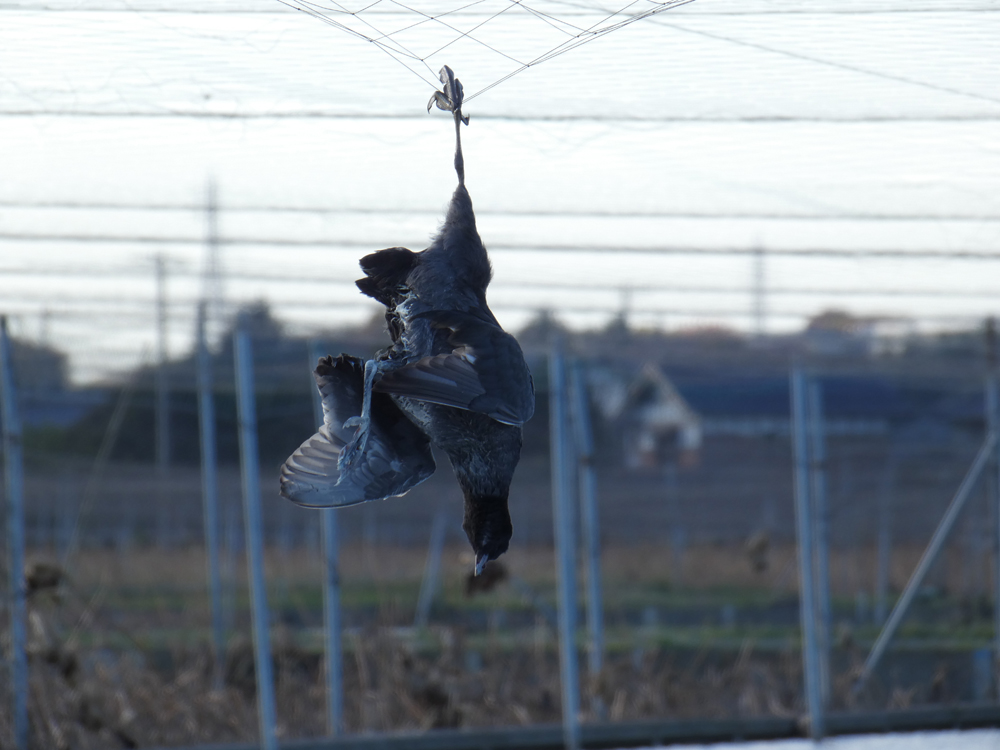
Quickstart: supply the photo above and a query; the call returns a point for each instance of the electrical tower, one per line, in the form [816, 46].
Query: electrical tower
[211, 283]
[759, 293]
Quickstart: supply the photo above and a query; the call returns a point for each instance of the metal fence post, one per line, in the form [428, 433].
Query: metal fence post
[590, 518]
[928, 558]
[993, 484]
[249, 459]
[432, 571]
[807, 578]
[210, 496]
[884, 562]
[565, 539]
[331, 585]
[332, 623]
[821, 533]
[14, 475]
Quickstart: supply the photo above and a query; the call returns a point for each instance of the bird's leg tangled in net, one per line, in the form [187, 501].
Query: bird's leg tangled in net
[450, 100]
[357, 446]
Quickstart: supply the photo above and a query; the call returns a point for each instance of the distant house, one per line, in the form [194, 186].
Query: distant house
[657, 425]
[837, 333]
[757, 405]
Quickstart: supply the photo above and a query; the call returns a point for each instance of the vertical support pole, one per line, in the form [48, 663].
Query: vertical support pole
[332, 624]
[993, 488]
[993, 481]
[210, 496]
[565, 539]
[331, 586]
[591, 520]
[821, 533]
[884, 541]
[231, 540]
[432, 572]
[14, 475]
[249, 458]
[803, 523]
[678, 534]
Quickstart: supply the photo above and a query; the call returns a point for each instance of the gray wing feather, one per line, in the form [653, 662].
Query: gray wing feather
[396, 457]
[312, 478]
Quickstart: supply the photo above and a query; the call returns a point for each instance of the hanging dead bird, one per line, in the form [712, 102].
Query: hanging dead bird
[452, 377]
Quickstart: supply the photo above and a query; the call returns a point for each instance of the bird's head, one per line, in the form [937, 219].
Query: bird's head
[487, 525]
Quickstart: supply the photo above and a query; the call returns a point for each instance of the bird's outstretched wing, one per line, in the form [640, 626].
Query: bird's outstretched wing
[482, 371]
[396, 456]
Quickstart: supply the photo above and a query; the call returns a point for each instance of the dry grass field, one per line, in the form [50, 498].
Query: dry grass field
[119, 654]
[699, 567]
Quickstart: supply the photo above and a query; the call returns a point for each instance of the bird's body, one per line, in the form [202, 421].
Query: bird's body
[451, 372]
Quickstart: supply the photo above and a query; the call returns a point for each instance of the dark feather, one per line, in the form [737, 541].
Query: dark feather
[385, 273]
[483, 371]
[452, 376]
[396, 457]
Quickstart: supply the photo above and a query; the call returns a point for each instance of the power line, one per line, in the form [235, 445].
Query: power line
[566, 286]
[921, 254]
[327, 115]
[323, 210]
[741, 312]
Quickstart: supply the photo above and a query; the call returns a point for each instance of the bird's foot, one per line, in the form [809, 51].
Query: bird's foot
[354, 422]
[362, 423]
[451, 96]
[349, 454]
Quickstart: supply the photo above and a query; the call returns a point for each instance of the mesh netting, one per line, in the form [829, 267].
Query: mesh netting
[504, 37]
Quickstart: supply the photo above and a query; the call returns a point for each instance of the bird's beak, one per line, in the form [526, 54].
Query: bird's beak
[481, 561]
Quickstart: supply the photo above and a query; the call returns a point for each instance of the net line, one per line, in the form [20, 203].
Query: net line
[388, 41]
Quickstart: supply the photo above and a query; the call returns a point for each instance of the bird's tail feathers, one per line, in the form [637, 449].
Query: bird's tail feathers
[385, 273]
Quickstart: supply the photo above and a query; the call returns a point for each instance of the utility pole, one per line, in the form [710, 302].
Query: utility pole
[162, 394]
[626, 311]
[44, 321]
[211, 285]
[162, 403]
[759, 292]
